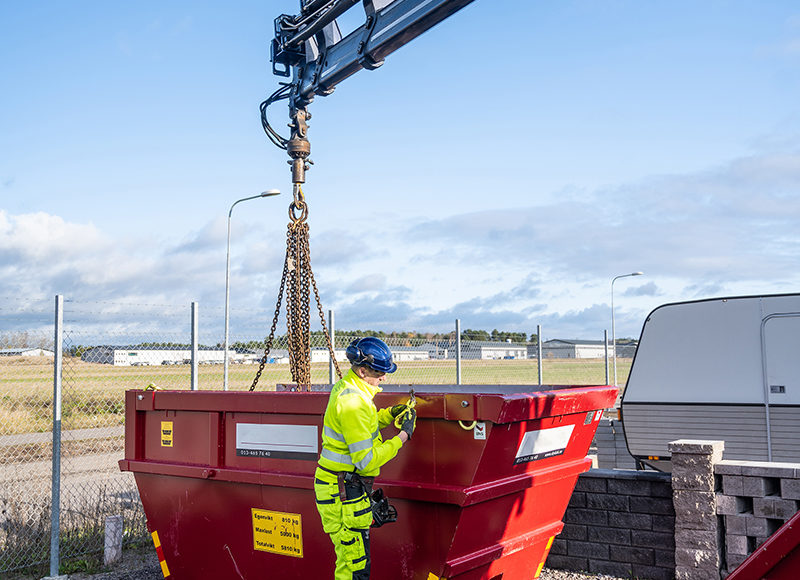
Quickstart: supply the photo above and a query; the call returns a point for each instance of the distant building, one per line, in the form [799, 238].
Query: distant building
[320, 354]
[26, 352]
[409, 353]
[492, 350]
[125, 356]
[558, 348]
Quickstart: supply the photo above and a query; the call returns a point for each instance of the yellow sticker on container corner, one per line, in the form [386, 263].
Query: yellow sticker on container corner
[166, 433]
[278, 532]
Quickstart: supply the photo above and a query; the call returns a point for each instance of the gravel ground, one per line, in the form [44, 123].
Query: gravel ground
[143, 565]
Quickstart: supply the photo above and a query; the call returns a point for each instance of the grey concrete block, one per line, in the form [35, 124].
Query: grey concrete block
[728, 467]
[732, 485]
[790, 488]
[736, 524]
[693, 558]
[559, 546]
[771, 469]
[629, 487]
[690, 573]
[574, 532]
[687, 502]
[696, 521]
[736, 544]
[617, 536]
[727, 505]
[754, 486]
[699, 539]
[591, 484]
[586, 517]
[578, 500]
[653, 506]
[663, 523]
[776, 508]
[755, 526]
[630, 521]
[617, 503]
[661, 489]
[665, 558]
[653, 539]
[697, 447]
[734, 560]
[619, 569]
[589, 550]
[559, 562]
[682, 463]
[694, 480]
[631, 554]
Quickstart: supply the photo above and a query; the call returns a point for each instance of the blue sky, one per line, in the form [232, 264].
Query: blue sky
[501, 169]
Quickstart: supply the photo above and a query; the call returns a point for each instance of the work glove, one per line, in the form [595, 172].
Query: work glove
[409, 422]
[396, 410]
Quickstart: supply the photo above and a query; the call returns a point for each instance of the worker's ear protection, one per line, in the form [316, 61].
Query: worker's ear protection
[356, 356]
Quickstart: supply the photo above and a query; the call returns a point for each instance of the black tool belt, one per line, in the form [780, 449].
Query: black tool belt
[351, 486]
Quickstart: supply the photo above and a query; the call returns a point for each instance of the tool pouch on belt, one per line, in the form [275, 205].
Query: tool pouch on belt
[356, 506]
[382, 512]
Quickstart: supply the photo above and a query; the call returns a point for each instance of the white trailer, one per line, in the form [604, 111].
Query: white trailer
[722, 369]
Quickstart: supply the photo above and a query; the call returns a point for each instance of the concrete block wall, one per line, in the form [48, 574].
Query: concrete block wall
[619, 523]
[753, 500]
[697, 523]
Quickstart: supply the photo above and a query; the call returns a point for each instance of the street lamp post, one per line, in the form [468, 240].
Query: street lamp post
[268, 193]
[613, 330]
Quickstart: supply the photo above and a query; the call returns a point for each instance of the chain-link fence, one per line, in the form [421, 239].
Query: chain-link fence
[109, 348]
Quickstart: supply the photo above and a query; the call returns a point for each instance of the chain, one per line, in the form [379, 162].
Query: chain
[297, 280]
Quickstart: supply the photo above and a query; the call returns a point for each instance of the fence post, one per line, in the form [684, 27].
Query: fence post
[331, 362]
[112, 549]
[605, 343]
[458, 351]
[539, 351]
[55, 502]
[195, 347]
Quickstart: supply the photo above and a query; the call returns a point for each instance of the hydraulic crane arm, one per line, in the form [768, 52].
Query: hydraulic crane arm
[313, 45]
[309, 48]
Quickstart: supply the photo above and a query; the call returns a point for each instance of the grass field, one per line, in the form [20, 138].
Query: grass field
[92, 393]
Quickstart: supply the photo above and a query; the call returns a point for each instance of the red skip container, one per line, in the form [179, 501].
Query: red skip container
[226, 480]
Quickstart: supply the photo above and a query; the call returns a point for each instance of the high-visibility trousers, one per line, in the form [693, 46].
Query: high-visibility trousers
[347, 523]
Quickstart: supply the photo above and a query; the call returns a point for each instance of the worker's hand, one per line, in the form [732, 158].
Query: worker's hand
[396, 410]
[409, 422]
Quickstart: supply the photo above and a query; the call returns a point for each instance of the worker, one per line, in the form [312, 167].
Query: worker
[353, 452]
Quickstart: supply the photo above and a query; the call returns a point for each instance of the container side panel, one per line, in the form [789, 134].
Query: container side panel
[650, 427]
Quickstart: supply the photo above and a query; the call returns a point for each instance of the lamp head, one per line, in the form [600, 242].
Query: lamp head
[271, 192]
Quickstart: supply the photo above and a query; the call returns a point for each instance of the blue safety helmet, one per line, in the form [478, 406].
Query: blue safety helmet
[372, 352]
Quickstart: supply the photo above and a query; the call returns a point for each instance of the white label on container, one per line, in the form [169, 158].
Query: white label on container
[543, 443]
[277, 441]
[480, 430]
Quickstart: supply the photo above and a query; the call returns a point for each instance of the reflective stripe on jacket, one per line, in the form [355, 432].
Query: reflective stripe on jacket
[351, 438]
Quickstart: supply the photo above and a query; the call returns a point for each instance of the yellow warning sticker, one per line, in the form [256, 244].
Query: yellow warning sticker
[166, 433]
[278, 532]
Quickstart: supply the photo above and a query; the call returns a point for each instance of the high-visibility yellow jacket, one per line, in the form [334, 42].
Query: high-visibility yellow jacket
[351, 438]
